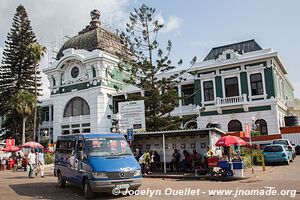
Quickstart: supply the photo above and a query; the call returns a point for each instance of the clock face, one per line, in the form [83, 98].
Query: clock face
[74, 72]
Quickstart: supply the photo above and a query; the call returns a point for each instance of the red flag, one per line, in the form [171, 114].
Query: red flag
[247, 130]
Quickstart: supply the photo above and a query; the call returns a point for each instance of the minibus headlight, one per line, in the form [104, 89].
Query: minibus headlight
[99, 175]
[137, 173]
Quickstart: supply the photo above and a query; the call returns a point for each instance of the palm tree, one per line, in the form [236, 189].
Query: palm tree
[24, 103]
[36, 52]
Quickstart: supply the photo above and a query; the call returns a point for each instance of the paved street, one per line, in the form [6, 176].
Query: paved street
[16, 185]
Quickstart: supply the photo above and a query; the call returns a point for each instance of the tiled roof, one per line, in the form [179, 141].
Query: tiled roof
[241, 47]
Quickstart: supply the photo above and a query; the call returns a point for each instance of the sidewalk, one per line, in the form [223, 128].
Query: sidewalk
[172, 175]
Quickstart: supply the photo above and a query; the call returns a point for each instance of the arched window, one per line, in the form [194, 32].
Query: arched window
[262, 126]
[94, 72]
[191, 125]
[76, 106]
[235, 125]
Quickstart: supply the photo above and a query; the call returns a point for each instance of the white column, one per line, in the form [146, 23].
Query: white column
[179, 95]
[164, 153]
[50, 113]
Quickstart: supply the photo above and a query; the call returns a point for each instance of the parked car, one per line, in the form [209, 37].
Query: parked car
[277, 153]
[96, 163]
[287, 143]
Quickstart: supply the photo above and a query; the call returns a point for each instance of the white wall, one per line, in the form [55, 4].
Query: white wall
[269, 116]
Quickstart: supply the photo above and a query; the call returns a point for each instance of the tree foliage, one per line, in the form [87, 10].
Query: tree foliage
[18, 64]
[19, 68]
[24, 103]
[148, 68]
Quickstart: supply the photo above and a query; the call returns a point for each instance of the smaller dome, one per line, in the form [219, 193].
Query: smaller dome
[95, 37]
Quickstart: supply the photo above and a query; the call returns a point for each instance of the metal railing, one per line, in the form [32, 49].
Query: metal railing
[231, 100]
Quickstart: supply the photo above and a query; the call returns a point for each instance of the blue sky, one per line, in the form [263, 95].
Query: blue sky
[194, 27]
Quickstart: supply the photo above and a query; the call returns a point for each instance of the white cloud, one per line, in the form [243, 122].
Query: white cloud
[172, 24]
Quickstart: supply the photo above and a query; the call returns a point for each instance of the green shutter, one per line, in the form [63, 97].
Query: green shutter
[219, 91]
[197, 93]
[244, 83]
[269, 82]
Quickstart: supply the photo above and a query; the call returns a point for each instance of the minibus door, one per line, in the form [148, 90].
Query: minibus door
[71, 164]
[79, 162]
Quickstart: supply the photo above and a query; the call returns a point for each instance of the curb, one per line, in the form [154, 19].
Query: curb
[201, 178]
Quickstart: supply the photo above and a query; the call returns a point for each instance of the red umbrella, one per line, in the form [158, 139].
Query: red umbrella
[33, 144]
[11, 149]
[230, 140]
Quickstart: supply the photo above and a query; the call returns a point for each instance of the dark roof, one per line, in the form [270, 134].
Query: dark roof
[241, 47]
[98, 38]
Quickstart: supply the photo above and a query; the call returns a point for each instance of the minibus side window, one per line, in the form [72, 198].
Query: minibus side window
[61, 146]
[57, 146]
[70, 148]
[80, 149]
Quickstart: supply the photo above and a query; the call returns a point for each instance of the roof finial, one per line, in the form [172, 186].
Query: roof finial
[95, 22]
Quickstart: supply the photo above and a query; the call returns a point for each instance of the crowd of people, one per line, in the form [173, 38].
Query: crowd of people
[150, 161]
[34, 162]
[191, 161]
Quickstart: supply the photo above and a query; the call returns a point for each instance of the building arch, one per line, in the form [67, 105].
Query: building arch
[75, 107]
[235, 126]
[261, 126]
[192, 124]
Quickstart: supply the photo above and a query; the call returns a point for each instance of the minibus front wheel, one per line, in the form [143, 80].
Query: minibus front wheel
[60, 181]
[87, 191]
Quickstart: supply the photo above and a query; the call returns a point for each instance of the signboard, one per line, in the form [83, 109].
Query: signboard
[247, 130]
[132, 115]
[10, 142]
[130, 136]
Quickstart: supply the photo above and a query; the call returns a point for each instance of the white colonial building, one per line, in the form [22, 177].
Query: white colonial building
[82, 79]
[235, 84]
[231, 86]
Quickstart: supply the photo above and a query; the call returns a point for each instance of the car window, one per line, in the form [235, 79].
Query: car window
[107, 147]
[284, 142]
[273, 149]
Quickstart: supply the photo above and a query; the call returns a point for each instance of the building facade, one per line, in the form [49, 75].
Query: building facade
[82, 79]
[236, 84]
[233, 85]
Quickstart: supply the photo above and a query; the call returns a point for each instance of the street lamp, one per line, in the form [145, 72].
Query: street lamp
[253, 128]
[116, 127]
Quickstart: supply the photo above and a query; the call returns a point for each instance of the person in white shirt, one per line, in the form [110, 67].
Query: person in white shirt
[31, 161]
[41, 162]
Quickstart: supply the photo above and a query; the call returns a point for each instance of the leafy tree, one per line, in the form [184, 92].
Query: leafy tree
[36, 52]
[19, 69]
[147, 64]
[24, 102]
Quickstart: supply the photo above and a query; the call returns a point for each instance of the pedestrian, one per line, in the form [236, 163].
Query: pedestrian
[32, 162]
[208, 154]
[19, 161]
[152, 163]
[175, 161]
[187, 161]
[41, 162]
[196, 159]
[146, 163]
[3, 164]
[156, 160]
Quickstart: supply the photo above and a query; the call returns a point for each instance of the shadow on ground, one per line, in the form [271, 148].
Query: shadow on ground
[52, 191]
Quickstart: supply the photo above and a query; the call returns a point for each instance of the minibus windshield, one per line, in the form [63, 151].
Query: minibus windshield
[107, 147]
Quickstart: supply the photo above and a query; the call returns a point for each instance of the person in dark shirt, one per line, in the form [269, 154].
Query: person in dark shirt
[175, 160]
[187, 161]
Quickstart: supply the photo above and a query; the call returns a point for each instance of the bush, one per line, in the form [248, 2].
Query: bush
[49, 158]
[247, 160]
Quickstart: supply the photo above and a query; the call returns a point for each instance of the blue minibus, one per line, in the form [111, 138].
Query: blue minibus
[96, 163]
